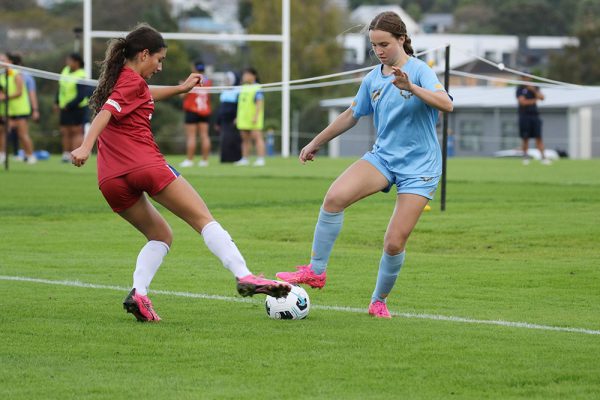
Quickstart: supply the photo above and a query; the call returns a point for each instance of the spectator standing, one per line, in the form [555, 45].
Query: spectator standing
[19, 108]
[72, 101]
[30, 85]
[530, 123]
[196, 105]
[250, 117]
[229, 136]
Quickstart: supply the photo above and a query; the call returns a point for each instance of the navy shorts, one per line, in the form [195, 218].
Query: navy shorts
[124, 191]
[193, 118]
[530, 127]
[77, 116]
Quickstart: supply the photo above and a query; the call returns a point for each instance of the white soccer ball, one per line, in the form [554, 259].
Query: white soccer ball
[295, 306]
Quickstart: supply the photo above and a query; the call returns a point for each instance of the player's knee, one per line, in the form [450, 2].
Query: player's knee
[164, 234]
[334, 201]
[395, 245]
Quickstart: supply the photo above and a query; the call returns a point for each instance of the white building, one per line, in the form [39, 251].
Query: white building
[485, 120]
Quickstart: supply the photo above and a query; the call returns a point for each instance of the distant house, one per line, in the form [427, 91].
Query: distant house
[515, 52]
[437, 23]
[23, 39]
[485, 121]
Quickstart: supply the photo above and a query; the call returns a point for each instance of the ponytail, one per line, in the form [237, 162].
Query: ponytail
[110, 68]
[143, 37]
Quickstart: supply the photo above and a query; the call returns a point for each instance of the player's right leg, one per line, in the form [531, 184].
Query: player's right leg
[190, 145]
[246, 139]
[181, 199]
[360, 180]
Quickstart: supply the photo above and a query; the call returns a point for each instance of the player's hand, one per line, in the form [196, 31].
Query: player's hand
[79, 156]
[308, 152]
[192, 81]
[401, 79]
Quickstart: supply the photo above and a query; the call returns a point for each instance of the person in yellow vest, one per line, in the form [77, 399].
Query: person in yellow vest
[72, 101]
[19, 109]
[250, 118]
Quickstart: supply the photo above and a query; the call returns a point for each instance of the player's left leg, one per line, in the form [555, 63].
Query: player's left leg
[22, 128]
[145, 218]
[204, 143]
[406, 214]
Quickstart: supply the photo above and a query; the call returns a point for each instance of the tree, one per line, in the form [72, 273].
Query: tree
[529, 17]
[581, 64]
[17, 5]
[124, 15]
[315, 50]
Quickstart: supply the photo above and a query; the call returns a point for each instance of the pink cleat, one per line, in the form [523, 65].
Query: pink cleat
[250, 285]
[378, 309]
[140, 306]
[304, 274]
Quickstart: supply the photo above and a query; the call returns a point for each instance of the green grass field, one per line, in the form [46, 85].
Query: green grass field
[516, 245]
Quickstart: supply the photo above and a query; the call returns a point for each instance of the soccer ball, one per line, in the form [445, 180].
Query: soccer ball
[295, 306]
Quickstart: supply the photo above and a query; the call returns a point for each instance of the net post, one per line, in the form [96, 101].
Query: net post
[445, 132]
[6, 123]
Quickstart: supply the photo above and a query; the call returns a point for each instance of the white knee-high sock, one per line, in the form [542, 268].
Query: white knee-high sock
[148, 261]
[221, 245]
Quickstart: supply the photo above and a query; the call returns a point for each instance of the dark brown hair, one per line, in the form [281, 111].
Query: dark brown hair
[143, 37]
[389, 21]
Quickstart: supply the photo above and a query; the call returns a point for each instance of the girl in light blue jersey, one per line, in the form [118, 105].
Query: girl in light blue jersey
[405, 96]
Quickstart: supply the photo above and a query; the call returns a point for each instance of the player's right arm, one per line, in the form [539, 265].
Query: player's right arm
[80, 155]
[341, 124]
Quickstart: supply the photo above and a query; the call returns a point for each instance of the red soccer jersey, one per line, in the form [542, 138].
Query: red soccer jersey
[198, 102]
[127, 143]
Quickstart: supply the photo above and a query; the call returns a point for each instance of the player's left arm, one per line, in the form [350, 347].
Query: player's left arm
[438, 99]
[164, 92]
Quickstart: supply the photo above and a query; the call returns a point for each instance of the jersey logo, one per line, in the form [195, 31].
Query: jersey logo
[375, 95]
[426, 178]
[150, 117]
[113, 103]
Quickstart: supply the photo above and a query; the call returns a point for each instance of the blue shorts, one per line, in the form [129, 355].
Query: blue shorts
[422, 185]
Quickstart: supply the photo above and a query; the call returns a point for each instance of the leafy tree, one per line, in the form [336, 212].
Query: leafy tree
[529, 17]
[124, 15]
[581, 64]
[17, 5]
[474, 18]
[315, 50]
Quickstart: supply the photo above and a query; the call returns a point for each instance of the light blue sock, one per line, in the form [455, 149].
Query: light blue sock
[389, 268]
[327, 230]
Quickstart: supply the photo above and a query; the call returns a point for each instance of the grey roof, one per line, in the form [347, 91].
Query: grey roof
[505, 97]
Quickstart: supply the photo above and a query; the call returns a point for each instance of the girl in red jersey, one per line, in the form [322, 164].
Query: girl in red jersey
[196, 105]
[130, 163]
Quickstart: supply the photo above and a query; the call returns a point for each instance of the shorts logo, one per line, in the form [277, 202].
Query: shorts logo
[113, 103]
[426, 179]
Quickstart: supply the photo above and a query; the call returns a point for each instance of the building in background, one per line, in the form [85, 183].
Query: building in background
[485, 121]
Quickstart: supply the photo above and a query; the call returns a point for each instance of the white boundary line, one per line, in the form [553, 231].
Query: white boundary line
[433, 317]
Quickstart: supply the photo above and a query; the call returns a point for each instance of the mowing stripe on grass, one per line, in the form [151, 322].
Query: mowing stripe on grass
[510, 324]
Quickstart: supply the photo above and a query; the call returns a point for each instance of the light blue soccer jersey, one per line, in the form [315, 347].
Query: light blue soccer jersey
[406, 136]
